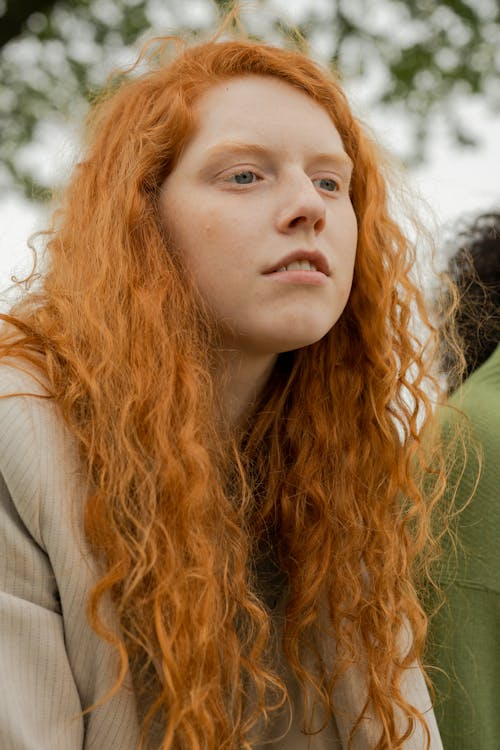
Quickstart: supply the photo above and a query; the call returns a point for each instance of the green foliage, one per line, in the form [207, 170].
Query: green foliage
[415, 57]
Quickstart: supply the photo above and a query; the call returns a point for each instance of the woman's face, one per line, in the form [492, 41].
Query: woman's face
[259, 207]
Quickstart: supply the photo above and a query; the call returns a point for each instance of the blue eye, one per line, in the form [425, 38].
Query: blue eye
[327, 183]
[244, 178]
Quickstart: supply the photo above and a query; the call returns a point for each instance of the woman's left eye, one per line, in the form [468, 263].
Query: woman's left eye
[327, 183]
[246, 177]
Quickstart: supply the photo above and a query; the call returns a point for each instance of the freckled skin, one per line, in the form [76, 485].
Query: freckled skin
[236, 214]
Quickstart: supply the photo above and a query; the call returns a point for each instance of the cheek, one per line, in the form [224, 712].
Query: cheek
[352, 238]
[193, 236]
[221, 244]
[352, 225]
[345, 243]
[345, 237]
[206, 248]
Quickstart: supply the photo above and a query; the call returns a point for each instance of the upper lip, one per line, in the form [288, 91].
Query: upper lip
[315, 257]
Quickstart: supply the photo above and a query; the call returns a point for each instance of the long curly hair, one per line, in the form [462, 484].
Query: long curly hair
[193, 527]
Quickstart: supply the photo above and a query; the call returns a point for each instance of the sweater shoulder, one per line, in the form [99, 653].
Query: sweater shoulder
[39, 458]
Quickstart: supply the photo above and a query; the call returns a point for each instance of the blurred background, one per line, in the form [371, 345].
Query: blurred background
[424, 75]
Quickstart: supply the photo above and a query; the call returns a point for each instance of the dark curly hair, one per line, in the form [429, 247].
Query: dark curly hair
[475, 269]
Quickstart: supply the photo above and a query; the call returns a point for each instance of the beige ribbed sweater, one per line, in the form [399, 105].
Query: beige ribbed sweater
[52, 665]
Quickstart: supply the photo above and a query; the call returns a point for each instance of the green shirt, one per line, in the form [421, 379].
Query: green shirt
[465, 634]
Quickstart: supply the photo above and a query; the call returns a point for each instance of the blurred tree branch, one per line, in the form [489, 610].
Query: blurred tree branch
[16, 14]
[413, 58]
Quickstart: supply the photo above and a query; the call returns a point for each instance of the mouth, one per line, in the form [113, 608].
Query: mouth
[297, 265]
[302, 260]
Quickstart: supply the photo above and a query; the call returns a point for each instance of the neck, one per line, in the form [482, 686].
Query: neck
[243, 378]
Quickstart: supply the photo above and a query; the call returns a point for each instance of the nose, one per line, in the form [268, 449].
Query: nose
[302, 207]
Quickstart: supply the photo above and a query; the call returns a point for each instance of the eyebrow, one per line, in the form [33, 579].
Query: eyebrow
[339, 158]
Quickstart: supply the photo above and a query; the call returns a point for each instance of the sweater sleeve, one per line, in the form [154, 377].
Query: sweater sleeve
[464, 639]
[53, 666]
[39, 705]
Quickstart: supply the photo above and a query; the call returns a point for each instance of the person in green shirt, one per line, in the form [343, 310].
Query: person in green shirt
[465, 634]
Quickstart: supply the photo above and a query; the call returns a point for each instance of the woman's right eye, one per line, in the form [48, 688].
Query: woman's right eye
[246, 177]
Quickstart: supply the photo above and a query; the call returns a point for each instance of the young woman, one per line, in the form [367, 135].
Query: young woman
[216, 390]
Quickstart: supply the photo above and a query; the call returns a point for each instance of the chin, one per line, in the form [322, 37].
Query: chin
[292, 335]
[303, 330]
[299, 342]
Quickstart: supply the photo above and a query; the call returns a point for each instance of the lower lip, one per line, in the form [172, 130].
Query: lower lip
[312, 278]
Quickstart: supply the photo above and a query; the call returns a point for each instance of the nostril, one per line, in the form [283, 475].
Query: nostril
[319, 224]
[297, 220]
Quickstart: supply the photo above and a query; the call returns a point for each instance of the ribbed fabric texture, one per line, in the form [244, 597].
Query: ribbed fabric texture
[465, 635]
[52, 665]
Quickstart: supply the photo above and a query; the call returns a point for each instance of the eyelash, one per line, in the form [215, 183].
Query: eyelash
[231, 178]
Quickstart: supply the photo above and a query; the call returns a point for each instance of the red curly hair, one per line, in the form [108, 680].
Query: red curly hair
[180, 517]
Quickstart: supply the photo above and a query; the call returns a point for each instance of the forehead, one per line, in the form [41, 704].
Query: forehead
[253, 108]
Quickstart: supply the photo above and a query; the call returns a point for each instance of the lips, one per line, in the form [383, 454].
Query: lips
[315, 257]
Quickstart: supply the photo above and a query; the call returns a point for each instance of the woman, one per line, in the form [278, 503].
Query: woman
[205, 544]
